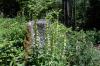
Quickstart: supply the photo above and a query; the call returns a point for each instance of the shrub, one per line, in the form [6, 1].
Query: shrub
[11, 41]
[37, 8]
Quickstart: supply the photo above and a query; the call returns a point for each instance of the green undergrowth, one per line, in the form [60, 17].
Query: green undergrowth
[63, 46]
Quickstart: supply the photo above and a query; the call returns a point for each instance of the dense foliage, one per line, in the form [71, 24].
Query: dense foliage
[37, 8]
[11, 41]
[63, 46]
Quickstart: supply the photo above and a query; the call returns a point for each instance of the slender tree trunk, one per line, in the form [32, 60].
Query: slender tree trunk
[67, 10]
[65, 16]
[73, 12]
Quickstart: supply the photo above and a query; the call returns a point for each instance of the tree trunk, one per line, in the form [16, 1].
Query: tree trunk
[67, 11]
